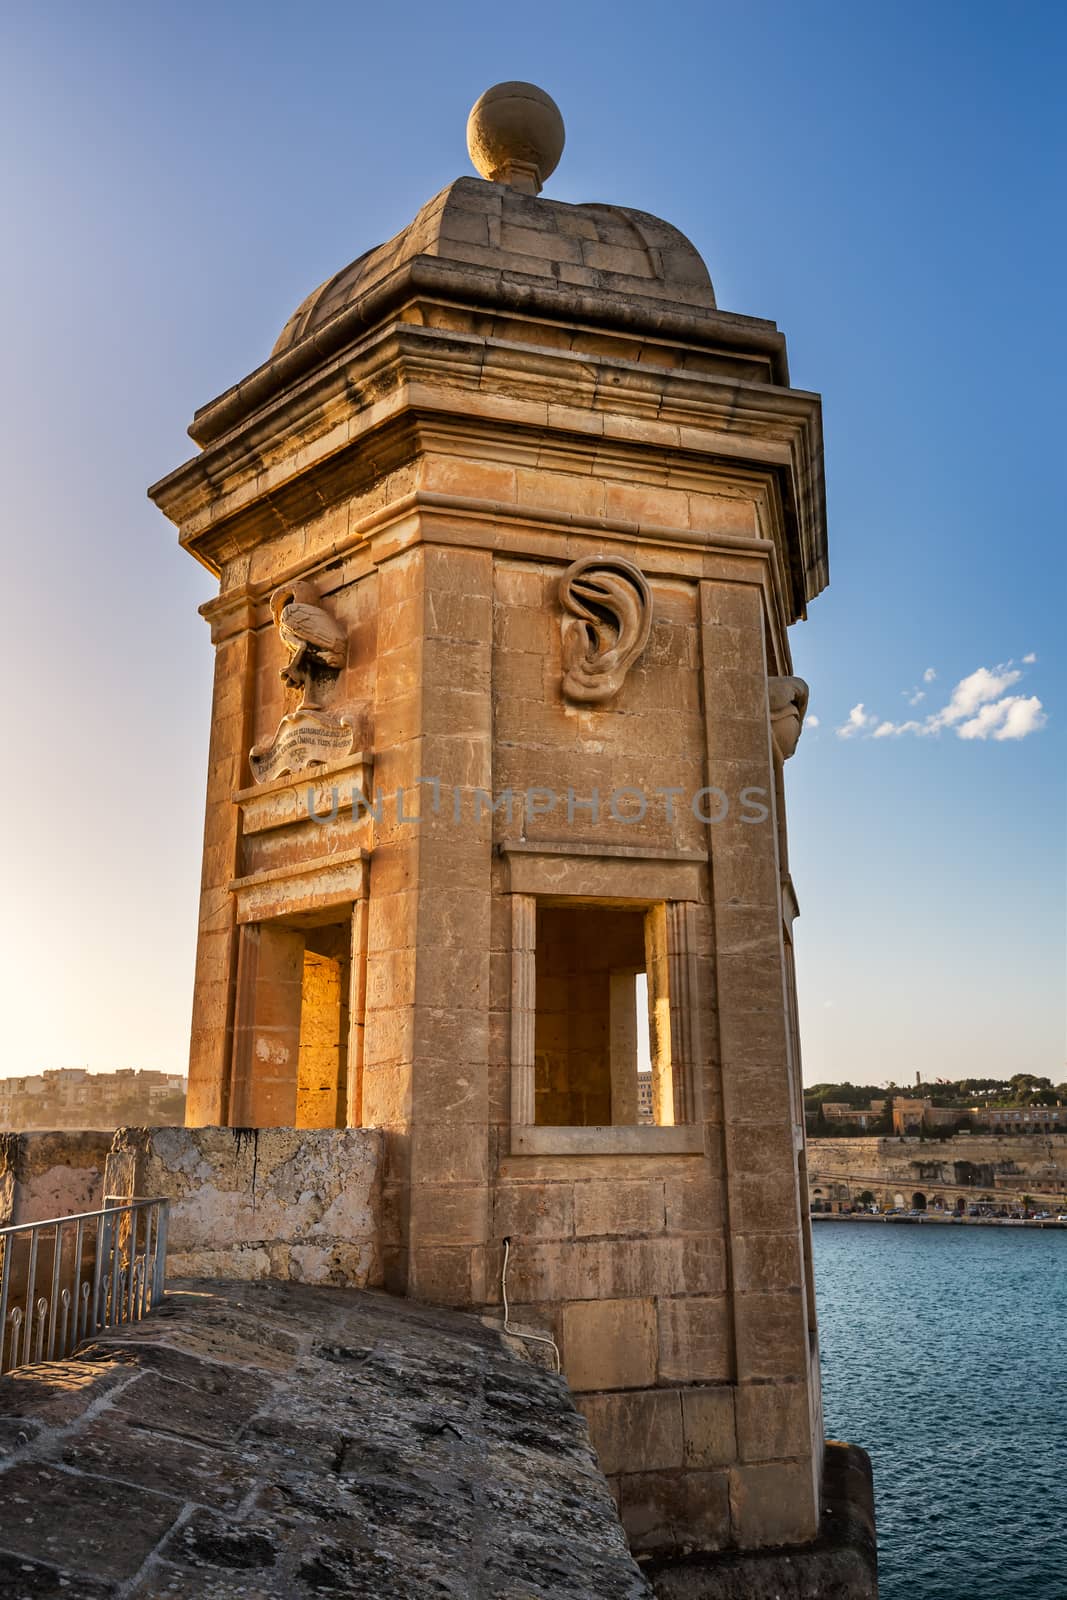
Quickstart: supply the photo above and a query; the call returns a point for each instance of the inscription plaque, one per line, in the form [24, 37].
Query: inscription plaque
[305, 738]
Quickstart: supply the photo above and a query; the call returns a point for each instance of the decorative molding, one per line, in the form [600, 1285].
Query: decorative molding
[721, 421]
[644, 1139]
[330, 790]
[604, 873]
[302, 889]
[564, 847]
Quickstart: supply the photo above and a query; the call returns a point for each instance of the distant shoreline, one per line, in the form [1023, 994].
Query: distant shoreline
[942, 1221]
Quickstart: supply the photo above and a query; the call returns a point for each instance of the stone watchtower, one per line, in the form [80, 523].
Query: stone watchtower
[509, 532]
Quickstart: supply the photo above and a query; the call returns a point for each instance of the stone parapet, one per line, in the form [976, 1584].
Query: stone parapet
[44, 1175]
[286, 1203]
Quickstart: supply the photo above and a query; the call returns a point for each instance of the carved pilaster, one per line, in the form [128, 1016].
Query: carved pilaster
[523, 1007]
[686, 1055]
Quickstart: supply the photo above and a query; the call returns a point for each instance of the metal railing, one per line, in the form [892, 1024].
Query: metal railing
[64, 1280]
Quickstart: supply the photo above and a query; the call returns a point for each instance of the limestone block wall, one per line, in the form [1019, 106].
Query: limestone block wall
[674, 1284]
[706, 1391]
[295, 1204]
[45, 1175]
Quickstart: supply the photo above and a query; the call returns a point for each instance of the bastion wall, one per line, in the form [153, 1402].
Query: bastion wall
[967, 1167]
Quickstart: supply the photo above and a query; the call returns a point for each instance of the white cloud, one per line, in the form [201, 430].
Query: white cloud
[1011, 718]
[811, 722]
[977, 689]
[858, 720]
[1025, 715]
[1028, 660]
[988, 718]
[979, 707]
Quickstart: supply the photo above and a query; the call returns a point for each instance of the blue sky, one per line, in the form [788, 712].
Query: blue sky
[883, 181]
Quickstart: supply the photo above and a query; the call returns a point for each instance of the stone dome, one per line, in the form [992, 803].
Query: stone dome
[605, 249]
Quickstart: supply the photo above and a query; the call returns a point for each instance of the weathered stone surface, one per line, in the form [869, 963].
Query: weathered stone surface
[281, 1441]
[80, 1521]
[21, 1579]
[302, 1204]
[45, 1175]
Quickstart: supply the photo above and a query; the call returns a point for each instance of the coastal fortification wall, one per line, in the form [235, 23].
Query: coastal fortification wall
[969, 1167]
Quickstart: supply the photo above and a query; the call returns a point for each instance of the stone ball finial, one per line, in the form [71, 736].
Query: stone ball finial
[515, 136]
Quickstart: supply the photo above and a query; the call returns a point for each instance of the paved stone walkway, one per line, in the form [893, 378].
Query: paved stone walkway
[274, 1441]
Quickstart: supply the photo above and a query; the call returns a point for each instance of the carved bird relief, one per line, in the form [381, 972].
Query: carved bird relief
[609, 606]
[314, 640]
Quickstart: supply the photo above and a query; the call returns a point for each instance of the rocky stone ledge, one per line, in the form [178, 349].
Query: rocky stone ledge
[276, 1441]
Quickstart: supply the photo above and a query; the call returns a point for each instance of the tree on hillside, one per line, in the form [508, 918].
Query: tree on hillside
[1024, 1085]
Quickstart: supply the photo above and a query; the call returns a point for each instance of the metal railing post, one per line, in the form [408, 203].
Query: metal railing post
[31, 1284]
[5, 1280]
[102, 1229]
[159, 1276]
[128, 1278]
[53, 1299]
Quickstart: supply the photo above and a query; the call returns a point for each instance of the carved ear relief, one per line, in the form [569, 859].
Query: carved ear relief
[608, 606]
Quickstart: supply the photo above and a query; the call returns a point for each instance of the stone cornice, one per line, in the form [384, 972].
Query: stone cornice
[522, 384]
[361, 418]
[499, 291]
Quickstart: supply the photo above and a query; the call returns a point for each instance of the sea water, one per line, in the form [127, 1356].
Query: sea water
[944, 1354]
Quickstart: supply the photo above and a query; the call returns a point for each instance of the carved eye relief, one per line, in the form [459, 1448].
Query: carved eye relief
[608, 606]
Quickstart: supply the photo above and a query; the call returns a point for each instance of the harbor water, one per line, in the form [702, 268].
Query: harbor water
[943, 1354]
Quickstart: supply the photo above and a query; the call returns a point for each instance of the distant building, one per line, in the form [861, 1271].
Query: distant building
[858, 1116]
[73, 1097]
[908, 1114]
[1021, 1119]
[21, 1087]
[911, 1116]
[945, 1116]
[644, 1097]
